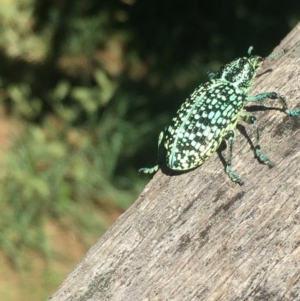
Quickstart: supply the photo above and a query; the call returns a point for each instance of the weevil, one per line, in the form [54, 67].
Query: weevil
[210, 115]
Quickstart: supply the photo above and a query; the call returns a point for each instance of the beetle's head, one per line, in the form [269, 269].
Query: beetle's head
[242, 71]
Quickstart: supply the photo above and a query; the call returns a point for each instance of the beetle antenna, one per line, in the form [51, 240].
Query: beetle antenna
[250, 50]
[275, 54]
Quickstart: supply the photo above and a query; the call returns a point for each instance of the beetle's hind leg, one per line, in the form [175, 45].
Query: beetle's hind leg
[156, 167]
[233, 177]
[251, 119]
[148, 169]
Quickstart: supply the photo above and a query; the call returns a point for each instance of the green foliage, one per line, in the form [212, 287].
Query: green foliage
[19, 95]
[17, 37]
[65, 174]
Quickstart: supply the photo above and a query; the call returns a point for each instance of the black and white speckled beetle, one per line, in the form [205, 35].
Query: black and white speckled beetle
[210, 115]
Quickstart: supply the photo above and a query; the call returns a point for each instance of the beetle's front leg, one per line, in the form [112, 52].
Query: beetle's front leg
[273, 95]
[210, 74]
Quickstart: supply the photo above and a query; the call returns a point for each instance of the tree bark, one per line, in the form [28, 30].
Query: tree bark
[198, 236]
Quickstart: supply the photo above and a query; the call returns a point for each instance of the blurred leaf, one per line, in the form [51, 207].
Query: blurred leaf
[61, 90]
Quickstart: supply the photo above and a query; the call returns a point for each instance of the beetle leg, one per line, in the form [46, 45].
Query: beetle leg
[251, 119]
[210, 74]
[273, 95]
[231, 174]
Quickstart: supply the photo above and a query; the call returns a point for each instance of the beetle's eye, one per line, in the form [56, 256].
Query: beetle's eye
[256, 61]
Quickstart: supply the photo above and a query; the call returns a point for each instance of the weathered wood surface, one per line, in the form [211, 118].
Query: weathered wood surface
[199, 236]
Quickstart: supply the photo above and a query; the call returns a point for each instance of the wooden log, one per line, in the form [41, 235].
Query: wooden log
[198, 236]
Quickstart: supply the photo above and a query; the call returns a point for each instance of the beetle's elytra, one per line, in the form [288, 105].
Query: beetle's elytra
[210, 115]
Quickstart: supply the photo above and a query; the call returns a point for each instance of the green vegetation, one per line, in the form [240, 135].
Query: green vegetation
[86, 86]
